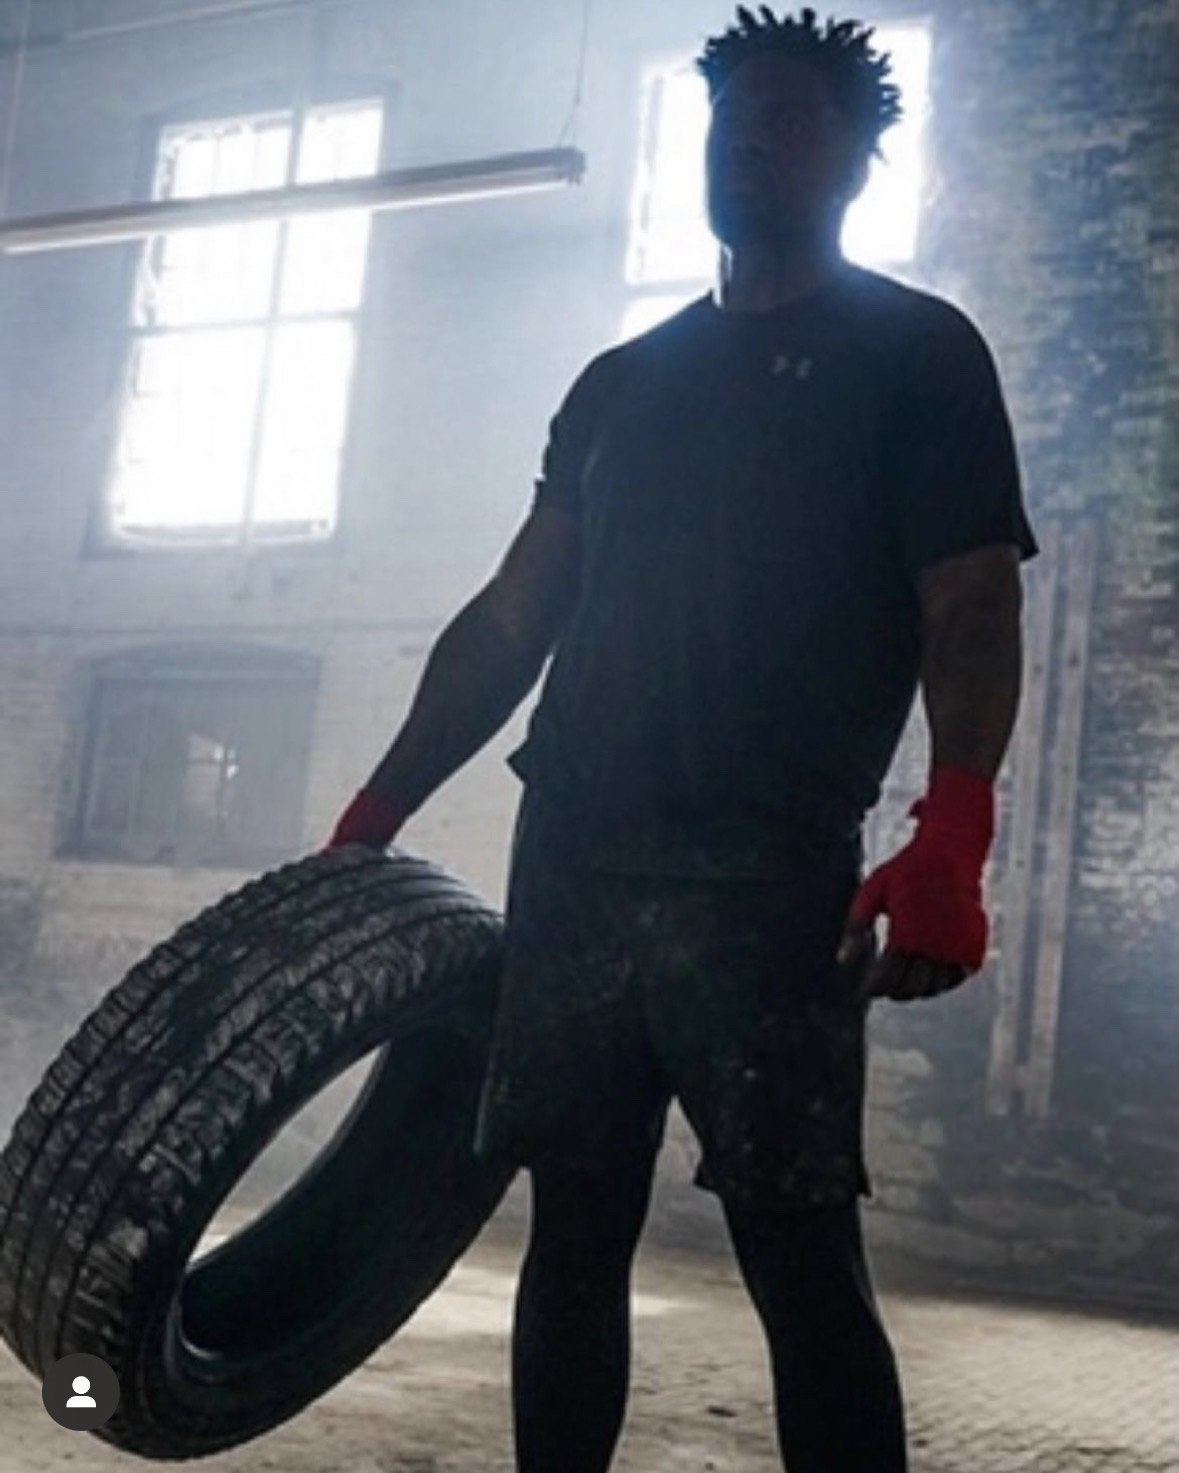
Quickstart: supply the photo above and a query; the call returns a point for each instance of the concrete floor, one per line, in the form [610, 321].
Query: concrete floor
[991, 1388]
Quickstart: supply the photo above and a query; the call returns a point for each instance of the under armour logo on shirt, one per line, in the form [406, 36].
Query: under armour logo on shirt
[800, 367]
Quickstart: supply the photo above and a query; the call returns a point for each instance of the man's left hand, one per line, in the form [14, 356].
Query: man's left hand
[928, 913]
[932, 896]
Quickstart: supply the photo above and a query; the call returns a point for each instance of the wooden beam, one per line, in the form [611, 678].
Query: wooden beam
[1064, 757]
[1018, 880]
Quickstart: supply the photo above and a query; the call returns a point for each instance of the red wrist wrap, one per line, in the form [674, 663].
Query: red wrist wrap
[931, 891]
[371, 818]
[958, 814]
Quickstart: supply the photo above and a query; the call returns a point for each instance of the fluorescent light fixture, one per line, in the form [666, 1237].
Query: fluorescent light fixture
[435, 184]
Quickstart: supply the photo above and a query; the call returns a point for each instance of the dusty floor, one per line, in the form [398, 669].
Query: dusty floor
[991, 1389]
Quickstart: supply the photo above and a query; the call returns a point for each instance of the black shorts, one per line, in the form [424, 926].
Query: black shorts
[620, 991]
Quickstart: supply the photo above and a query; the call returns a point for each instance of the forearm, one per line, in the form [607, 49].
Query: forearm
[971, 679]
[474, 679]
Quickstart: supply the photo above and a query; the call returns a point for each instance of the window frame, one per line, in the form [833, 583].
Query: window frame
[101, 539]
[206, 663]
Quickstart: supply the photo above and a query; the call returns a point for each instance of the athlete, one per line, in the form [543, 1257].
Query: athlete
[760, 528]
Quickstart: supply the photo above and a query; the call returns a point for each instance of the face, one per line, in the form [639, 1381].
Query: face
[781, 156]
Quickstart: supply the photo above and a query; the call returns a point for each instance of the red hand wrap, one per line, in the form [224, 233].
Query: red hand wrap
[371, 819]
[932, 890]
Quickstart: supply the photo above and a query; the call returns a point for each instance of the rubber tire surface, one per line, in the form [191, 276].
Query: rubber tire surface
[179, 1079]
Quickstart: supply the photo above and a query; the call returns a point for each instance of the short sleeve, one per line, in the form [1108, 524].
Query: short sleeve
[571, 432]
[953, 466]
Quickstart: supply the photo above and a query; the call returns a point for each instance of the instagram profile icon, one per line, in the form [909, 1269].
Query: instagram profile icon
[80, 1392]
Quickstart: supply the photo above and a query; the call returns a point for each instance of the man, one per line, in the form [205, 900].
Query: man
[759, 527]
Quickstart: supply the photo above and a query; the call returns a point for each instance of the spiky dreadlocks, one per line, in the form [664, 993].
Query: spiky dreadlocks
[854, 72]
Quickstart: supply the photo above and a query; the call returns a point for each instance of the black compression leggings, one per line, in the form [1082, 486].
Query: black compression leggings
[837, 1396]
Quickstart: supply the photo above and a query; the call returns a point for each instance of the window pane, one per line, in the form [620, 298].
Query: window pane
[160, 774]
[305, 423]
[326, 254]
[235, 162]
[206, 711]
[121, 718]
[340, 143]
[112, 796]
[271, 743]
[202, 809]
[185, 449]
[882, 225]
[219, 273]
[211, 765]
[273, 145]
[225, 157]
[671, 239]
[124, 717]
[325, 262]
[188, 167]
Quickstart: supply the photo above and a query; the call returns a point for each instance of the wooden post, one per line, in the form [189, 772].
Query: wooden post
[1064, 755]
[1016, 886]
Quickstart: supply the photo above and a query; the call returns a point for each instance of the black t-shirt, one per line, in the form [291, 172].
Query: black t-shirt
[757, 492]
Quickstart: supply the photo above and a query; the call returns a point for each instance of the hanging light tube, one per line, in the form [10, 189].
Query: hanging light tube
[434, 184]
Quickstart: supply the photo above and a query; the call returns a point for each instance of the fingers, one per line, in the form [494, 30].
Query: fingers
[859, 938]
[906, 977]
[916, 977]
[857, 951]
[903, 976]
[887, 974]
[869, 901]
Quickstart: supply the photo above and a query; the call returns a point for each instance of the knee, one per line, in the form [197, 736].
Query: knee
[588, 1219]
[794, 1259]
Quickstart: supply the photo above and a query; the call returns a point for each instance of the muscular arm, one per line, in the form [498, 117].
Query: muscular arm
[485, 661]
[971, 673]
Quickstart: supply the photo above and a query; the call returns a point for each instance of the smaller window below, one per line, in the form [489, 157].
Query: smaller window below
[196, 766]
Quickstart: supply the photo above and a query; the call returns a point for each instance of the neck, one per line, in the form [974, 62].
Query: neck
[758, 278]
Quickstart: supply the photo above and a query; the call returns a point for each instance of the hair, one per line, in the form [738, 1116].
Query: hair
[854, 72]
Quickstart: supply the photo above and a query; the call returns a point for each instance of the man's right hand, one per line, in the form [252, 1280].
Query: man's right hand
[371, 818]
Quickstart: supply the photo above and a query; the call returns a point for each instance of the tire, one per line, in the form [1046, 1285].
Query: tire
[179, 1079]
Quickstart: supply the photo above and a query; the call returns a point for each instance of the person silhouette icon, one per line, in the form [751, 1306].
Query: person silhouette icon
[81, 1385]
[96, 1388]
